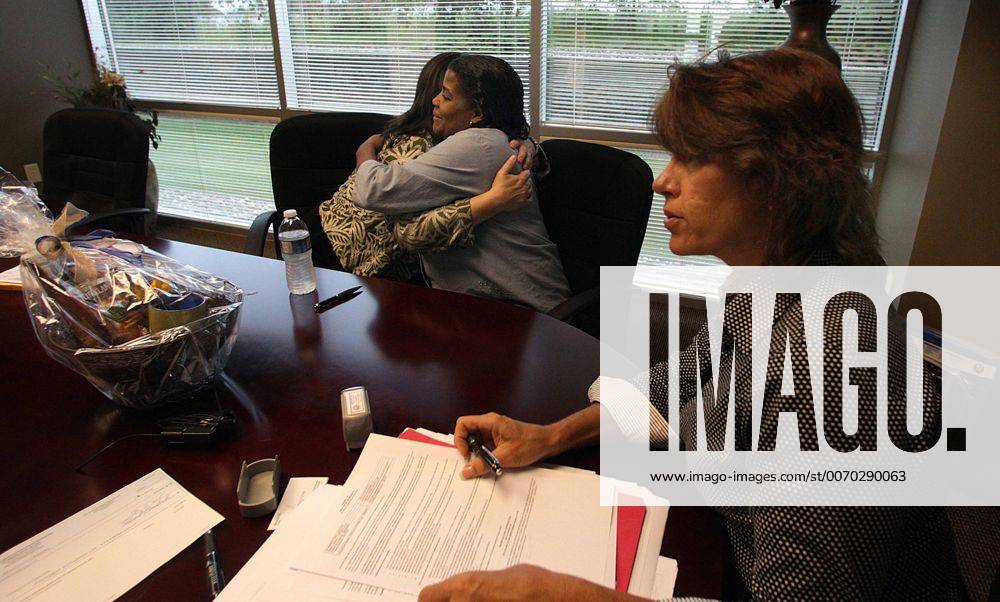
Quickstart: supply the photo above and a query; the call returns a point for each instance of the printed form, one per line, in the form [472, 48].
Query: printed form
[409, 521]
[267, 576]
[102, 551]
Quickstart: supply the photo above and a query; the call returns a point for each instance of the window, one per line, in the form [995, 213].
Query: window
[606, 61]
[214, 169]
[365, 55]
[195, 51]
[591, 68]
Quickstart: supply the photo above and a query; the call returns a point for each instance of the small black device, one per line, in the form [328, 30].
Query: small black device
[197, 429]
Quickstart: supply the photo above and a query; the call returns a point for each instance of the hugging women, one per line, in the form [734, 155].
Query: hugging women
[441, 180]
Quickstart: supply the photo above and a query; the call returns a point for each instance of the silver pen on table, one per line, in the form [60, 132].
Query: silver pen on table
[216, 580]
[476, 445]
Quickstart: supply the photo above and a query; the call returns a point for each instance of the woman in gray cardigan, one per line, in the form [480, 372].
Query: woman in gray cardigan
[479, 110]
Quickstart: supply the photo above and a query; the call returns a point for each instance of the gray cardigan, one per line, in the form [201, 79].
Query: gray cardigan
[512, 259]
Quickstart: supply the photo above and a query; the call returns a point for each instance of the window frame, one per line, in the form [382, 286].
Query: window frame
[277, 15]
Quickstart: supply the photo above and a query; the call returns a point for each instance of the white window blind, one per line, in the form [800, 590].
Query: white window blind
[214, 169]
[365, 55]
[605, 61]
[198, 51]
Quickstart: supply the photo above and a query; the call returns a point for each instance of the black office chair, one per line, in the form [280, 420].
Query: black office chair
[595, 202]
[311, 156]
[98, 160]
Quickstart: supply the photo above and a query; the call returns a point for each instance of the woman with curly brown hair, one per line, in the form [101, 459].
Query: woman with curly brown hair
[784, 133]
[766, 169]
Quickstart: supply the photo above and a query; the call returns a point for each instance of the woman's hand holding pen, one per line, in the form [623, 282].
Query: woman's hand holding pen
[514, 443]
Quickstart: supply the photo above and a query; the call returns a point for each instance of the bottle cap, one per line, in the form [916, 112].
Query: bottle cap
[290, 213]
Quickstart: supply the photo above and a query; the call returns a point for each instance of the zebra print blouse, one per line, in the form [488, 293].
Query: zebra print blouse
[373, 244]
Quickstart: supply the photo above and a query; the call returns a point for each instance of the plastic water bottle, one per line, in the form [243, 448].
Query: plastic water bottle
[293, 236]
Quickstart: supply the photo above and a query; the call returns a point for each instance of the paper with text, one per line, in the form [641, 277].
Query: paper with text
[267, 576]
[411, 521]
[296, 491]
[105, 549]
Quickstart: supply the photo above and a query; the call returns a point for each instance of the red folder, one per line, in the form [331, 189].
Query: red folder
[630, 519]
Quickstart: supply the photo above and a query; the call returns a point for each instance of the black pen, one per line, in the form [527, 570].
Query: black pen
[480, 450]
[326, 304]
[216, 580]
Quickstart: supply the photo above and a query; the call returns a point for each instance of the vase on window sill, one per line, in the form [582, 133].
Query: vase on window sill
[809, 21]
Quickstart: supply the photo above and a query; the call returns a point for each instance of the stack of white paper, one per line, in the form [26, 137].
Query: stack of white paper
[409, 521]
[405, 519]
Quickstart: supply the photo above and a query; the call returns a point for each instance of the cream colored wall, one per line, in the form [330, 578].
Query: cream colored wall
[960, 221]
[34, 34]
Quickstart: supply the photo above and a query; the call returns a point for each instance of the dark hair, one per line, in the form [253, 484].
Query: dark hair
[495, 90]
[417, 120]
[786, 126]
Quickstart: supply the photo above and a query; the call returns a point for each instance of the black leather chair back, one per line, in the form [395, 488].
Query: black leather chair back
[96, 159]
[595, 202]
[311, 156]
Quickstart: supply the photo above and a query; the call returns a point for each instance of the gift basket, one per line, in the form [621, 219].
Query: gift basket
[139, 326]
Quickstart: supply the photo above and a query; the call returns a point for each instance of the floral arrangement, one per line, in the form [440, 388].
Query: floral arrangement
[107, 91]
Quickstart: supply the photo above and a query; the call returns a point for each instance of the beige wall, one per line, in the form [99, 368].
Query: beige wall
[33, 34]
[960, 221]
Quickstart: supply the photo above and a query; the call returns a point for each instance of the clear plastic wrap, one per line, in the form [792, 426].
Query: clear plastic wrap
[139, 326]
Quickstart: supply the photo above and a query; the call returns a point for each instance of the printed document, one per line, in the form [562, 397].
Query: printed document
[267, 576]
[408, 520]
[296, 491]
[104, 550]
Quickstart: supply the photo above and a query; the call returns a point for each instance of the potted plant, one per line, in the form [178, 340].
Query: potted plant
[809, 19]
[107, 91]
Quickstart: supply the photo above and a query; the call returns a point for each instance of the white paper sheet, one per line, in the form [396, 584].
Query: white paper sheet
[11, 279]
[105, 549]
[297, 490]
[267, 576]
[442, 437]
[409, 520]
[666, 577]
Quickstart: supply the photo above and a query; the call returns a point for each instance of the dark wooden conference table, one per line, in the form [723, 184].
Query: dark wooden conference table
[426, 357]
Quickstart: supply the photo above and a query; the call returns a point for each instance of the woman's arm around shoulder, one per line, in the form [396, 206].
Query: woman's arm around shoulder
[452, 225]
[450, 171]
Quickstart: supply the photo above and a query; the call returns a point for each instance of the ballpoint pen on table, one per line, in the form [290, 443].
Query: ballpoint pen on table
[216, 580]
[477, 447]
[326, 304]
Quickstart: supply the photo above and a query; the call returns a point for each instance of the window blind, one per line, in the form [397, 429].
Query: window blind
[365, 55]
[605, 61]
[198, 51]
[214, 169]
